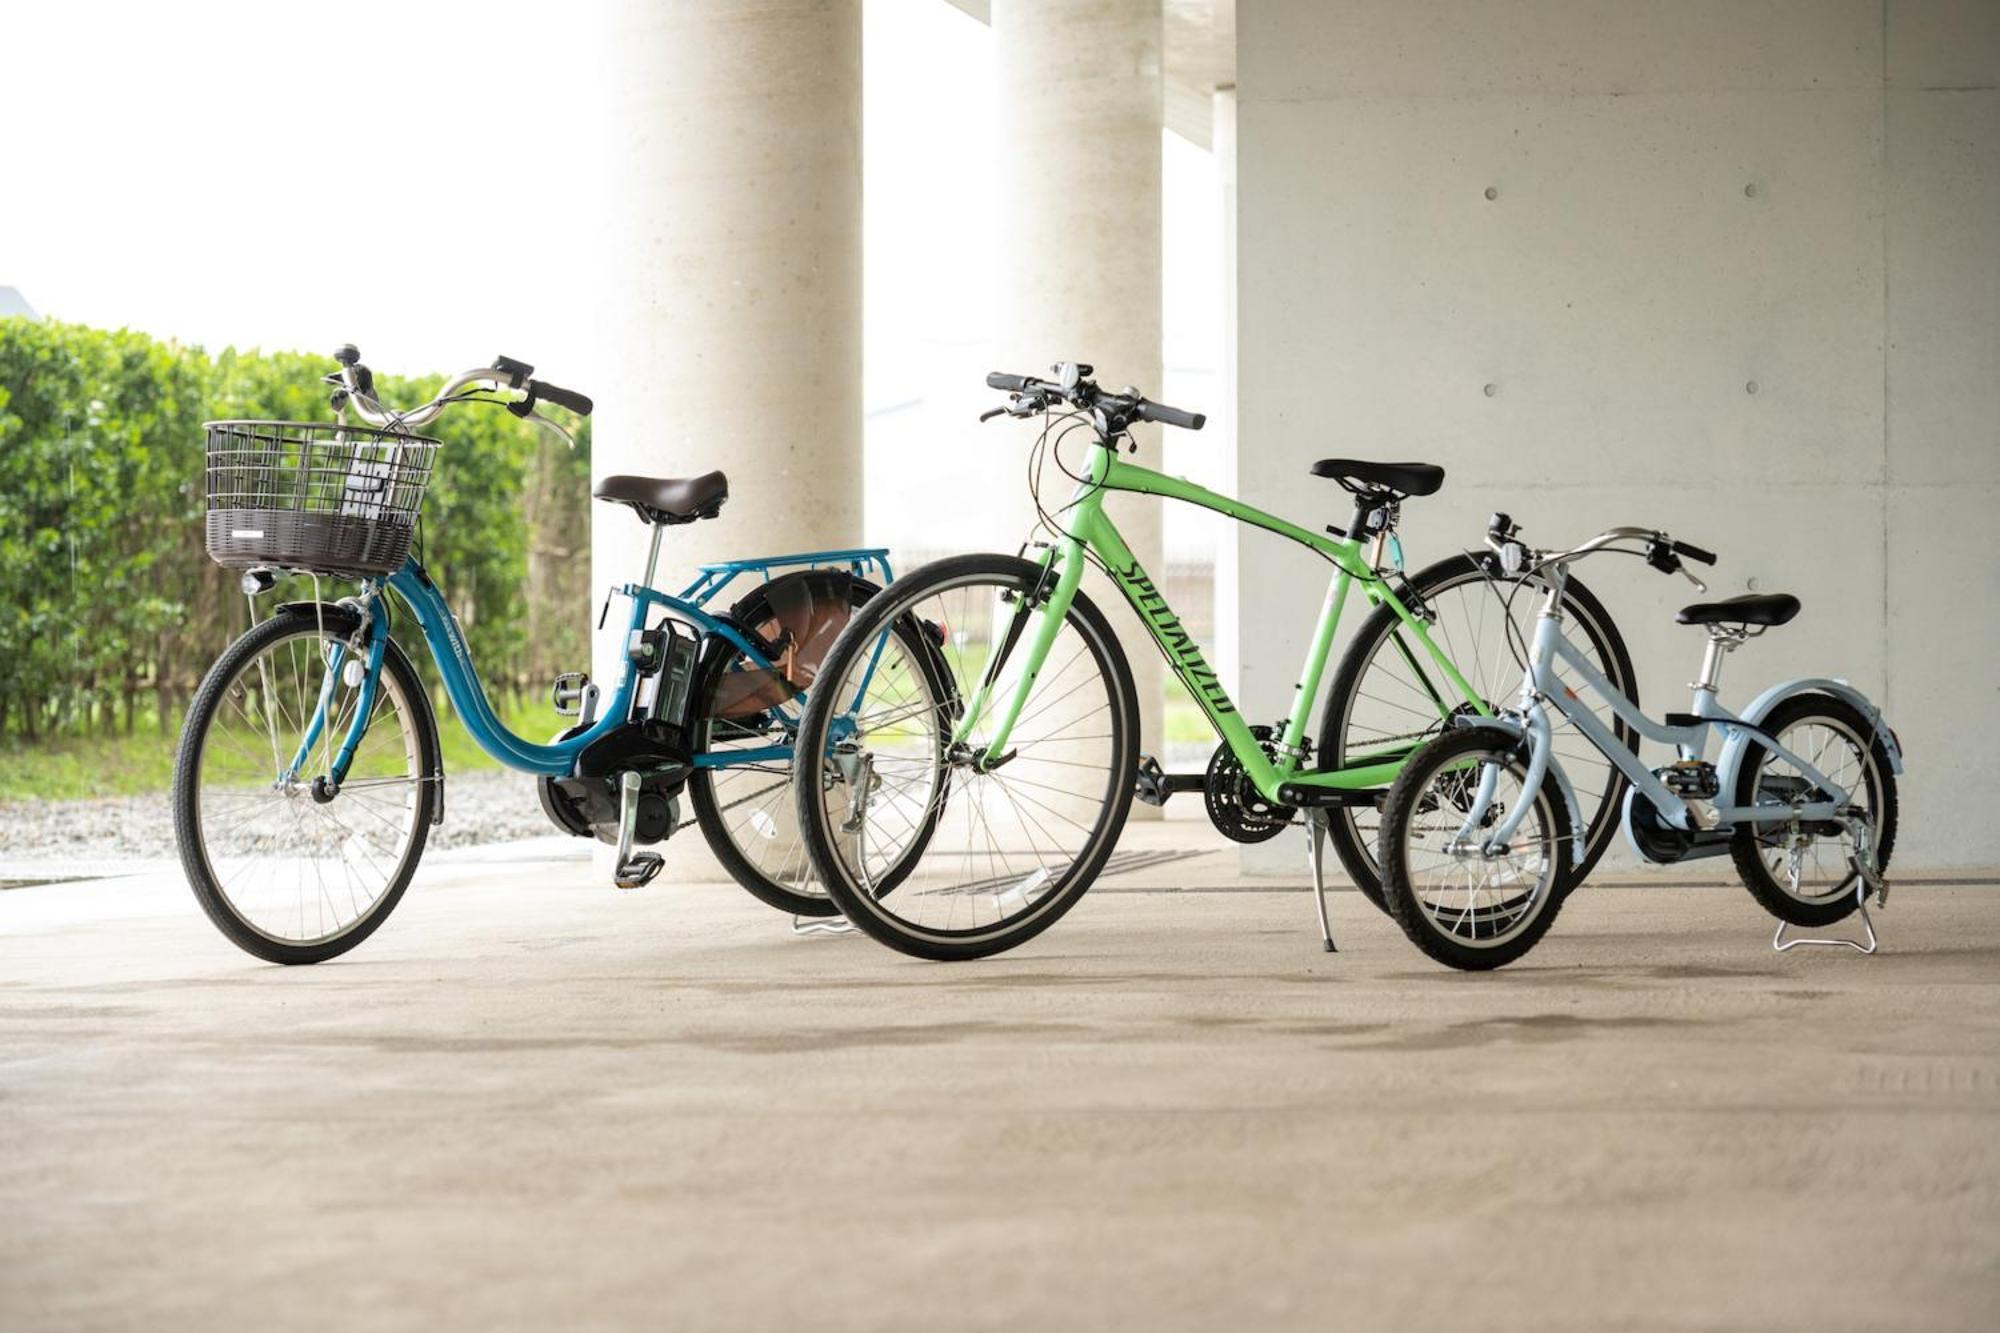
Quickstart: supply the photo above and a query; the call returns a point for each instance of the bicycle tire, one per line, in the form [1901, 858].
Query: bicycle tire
[1350, 842]
[862, 907]
[1403, 901]
[709, 810]
[1746, 849]
[185, 797]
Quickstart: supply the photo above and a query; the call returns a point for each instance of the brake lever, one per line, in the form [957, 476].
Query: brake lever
[553, 427]
[1661, 555]
[988, 415]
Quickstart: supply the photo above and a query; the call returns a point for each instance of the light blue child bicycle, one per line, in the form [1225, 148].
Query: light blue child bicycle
[310, 772]
[1478, 830]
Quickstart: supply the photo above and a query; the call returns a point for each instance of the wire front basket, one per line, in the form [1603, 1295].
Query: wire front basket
[314, 496]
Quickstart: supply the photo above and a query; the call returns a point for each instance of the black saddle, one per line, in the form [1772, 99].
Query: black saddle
[1754, 608]
[668, 499]
[1402, 478]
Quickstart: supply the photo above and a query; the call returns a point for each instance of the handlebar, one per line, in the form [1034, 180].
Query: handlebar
[356, 393]
[1694, 552]
[1073, 385]
[1171, 416]
[1660, 551]
[543, 391]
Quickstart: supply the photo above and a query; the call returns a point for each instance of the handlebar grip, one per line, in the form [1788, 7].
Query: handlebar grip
[561, 397]
[1694, 553]
[1000, 379]
[1171, 416]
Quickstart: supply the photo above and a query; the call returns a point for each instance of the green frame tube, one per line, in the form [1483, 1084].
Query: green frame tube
[1086, 525]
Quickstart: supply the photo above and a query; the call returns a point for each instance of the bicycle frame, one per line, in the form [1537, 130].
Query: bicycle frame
[1087, 526]
[469, 700]
[1540, 682]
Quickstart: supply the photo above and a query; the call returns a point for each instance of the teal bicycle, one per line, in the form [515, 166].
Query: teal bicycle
[310, 772]
[967, 823]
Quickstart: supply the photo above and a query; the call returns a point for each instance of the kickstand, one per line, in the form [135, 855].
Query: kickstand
[820, 925]
[635, 870]
[1316, 857]
[1865, 879]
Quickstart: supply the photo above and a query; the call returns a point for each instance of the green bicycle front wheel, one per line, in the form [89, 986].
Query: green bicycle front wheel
[925, 839]
[1389, 696]
[745, 810]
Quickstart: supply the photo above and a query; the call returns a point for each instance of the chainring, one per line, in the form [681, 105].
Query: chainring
[1234, 805]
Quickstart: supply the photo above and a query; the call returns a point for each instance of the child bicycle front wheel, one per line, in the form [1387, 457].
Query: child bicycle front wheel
[1463, 903]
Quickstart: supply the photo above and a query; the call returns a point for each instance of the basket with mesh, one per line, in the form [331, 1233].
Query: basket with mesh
[314, 496]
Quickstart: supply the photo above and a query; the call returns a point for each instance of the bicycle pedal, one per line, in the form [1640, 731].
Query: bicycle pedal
[641, 870]
[1153, 784]
[568, 691]
[1149, 784]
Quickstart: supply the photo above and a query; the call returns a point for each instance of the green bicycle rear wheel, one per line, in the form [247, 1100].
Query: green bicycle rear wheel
[1388, 695]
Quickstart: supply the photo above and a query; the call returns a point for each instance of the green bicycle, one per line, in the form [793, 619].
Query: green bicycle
[959, 824]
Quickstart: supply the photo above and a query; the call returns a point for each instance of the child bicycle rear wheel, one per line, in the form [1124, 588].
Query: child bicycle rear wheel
[1804, 873]
[287, 870]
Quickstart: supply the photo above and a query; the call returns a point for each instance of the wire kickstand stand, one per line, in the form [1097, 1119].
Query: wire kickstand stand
[1866, 878]
[1780, 943]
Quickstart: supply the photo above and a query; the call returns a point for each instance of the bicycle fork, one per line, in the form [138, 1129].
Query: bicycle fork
[360, 674]
[1035, 615]
[1532, 727]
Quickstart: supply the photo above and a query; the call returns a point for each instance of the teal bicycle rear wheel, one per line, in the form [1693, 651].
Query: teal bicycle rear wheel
[745, 810]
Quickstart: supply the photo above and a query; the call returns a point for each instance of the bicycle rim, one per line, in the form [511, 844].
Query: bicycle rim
[291, 868]
[1822, 857]
[1005, 846]
[1480, 901]
[1401, 699]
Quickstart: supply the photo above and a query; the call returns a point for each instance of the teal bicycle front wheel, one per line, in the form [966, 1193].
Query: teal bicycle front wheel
[286, 870]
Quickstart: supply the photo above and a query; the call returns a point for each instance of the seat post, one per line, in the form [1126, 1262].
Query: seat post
[1357, 524]
[1721, 642]
[652, 554]
[1374, 519]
